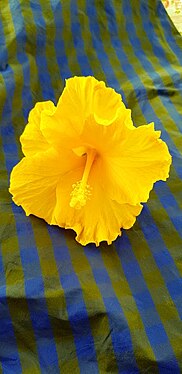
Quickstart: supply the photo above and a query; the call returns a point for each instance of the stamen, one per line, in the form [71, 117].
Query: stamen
[80, 195]
[81, 189]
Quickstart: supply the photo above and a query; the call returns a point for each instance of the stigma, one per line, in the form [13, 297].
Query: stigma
[82, 190]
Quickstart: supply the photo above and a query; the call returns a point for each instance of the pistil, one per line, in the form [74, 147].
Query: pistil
[81, 189]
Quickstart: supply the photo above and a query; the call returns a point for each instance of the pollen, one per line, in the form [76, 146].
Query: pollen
[82, 191]
[80, 195]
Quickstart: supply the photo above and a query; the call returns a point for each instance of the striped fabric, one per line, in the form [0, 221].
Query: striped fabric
[65, 308]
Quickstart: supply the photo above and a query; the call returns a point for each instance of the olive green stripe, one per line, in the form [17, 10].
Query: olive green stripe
[142, 332]
[3, 94]
[117, 286]
[155, 62]
[172, 250]
[11, 47]
[138, 72]
[175, 185]
[55, 320]
[31, 51]
[175, 188]
[93, 300]
[3, 170]
[137, 114]
[171, 239]
[124, 295]
[15, 296]
[68, 39]
[54, 295]
[156, 285]
[152, 4]
[172, 58]
[170, 55]
[50, 54]
[29, 370]
[156, 103]
[88, 43]
[147, 81]
[112, 54]
[10, 245]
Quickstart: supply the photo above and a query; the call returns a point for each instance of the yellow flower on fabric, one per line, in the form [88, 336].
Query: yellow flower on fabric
[86, 166]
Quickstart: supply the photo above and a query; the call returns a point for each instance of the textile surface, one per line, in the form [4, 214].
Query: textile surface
[65, 308]
[174, 9]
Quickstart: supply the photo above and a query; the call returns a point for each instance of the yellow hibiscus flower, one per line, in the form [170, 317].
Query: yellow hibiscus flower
[86, 166]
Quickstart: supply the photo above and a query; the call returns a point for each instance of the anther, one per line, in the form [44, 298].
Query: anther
[81, 189]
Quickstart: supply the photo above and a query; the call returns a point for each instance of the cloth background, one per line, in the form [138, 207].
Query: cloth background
[65, 308]
[174, 9]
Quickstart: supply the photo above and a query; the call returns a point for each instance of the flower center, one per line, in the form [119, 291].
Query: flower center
[81, 189]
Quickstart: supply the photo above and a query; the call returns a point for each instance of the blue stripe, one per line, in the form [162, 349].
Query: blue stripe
[4, 52]
[170, 204]
[120, 332]
[11, 158]
[148, 67]
[144, 302]
[8, 347]
[175, 287]
[40, 55]
[131, 73]
[99, 48]
[24, 231]
[78, 41]
[160, 54]
[177, 221]
[167, 29]
[133, 77]
[59, 44]
[76, 308]
[34, 288]
[22, 57]
[157, 246]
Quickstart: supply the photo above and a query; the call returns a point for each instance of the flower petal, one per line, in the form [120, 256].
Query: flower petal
[32, 139]
[77, 100]
[107, 139]
[100, 219]
[108, 106]
[73, 107]
[82, 98]
[140, 161]
[34, 180]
